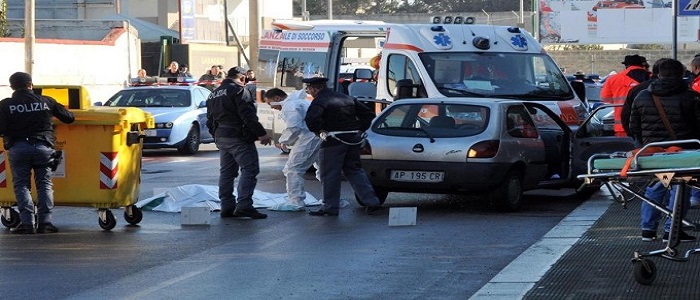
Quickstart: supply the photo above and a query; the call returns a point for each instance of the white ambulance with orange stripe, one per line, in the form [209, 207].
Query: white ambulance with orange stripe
[448, 57]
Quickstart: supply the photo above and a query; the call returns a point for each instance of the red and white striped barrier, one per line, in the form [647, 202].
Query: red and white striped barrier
[3, 170]
[109, 170]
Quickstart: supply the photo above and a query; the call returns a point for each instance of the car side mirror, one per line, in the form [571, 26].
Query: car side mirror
[202, 104]
[365, 74]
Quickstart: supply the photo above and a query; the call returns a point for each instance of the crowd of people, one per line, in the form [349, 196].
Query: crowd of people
[327, 130]
[657, 105]
[211, 79]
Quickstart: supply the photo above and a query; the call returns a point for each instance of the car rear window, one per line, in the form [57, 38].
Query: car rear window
[432, 120]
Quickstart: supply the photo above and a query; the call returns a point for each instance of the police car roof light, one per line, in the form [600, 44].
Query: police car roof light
[437, 28]
[436, 20]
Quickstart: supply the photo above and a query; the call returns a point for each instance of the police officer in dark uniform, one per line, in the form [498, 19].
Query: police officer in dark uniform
[232, 120]
[340, 121]
[27, 130]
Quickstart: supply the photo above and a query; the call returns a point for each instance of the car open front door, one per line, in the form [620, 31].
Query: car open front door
[596, 135]
[556, 136]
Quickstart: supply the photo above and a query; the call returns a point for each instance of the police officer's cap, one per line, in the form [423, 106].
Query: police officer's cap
[315, 80]
[20, 80]
[235, 72]
[634, 60]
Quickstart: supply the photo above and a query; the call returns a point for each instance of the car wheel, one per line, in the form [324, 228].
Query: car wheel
[191, 144]
[507, 196]
[381, 194]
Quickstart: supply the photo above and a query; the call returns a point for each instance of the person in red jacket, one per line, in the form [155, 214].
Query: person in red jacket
[615, 88]
[695, 69]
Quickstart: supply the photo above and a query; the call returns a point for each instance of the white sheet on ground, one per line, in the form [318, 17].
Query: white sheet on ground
[198, 195]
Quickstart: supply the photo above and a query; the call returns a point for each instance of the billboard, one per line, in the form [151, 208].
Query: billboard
[202, 21]
[613, 22]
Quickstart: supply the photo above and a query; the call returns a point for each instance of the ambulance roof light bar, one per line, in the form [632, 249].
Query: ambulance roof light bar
[453, 20]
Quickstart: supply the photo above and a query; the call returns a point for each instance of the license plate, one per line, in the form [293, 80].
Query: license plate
[150, 132]
[417, 176]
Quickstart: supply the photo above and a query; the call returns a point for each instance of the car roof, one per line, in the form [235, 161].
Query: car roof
[352, 68]
[164, 87]
[490, 102]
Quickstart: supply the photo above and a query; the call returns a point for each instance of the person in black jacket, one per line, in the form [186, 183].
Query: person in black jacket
[232, 121]
[578, 85]
[339, 120]
[27, 130]
[173, 71]
[682, 106]
[627, 107]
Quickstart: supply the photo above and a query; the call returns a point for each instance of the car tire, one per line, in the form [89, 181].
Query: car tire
[381, 194]
[507, 196]
[191, 142]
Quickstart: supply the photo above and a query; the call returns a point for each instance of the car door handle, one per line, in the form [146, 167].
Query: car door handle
[418, 148]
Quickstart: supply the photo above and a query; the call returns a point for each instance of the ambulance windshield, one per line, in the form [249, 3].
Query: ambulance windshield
[497, 75]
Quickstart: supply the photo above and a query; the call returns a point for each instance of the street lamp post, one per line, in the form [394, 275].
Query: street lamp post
[304, 12]
[330, 9]
[29, 36]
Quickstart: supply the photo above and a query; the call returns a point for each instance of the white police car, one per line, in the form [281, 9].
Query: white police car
[180, 113]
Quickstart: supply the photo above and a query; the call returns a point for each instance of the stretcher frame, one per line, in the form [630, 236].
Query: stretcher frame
[624, 189]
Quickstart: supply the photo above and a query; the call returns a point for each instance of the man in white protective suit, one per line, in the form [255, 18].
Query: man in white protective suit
[304, 154]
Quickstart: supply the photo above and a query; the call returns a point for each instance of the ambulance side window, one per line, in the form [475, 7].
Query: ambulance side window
[267, 67]
[295, 66]
[400, 67]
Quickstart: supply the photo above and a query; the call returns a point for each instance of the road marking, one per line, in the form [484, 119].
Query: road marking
[521, 275]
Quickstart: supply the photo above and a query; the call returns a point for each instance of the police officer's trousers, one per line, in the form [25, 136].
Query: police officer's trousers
[25, 157]
[234, 153]
[336, 161]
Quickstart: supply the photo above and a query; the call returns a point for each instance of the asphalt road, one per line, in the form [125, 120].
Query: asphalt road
[457, 246]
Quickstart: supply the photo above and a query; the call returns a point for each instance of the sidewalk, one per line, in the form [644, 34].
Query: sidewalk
[588, 256]
[599, 265]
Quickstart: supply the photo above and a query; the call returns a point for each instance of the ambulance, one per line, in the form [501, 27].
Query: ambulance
[447, 57]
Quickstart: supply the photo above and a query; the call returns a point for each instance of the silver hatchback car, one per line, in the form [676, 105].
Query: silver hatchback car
[500, 147]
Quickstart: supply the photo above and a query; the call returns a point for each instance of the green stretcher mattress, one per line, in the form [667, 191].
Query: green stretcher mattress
[684, 159]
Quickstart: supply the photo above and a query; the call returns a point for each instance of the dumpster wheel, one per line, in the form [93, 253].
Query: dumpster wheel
[133, 214]
[106, 219]
[10, 217]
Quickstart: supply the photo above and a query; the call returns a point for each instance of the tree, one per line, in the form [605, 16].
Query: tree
[368, 7]
[559, 47]
[4, 30]
[648, 46]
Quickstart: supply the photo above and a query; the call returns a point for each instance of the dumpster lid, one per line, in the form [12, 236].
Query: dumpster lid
[100, 115]
[71, 96]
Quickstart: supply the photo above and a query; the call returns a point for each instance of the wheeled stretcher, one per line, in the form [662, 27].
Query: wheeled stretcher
[622, 175]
